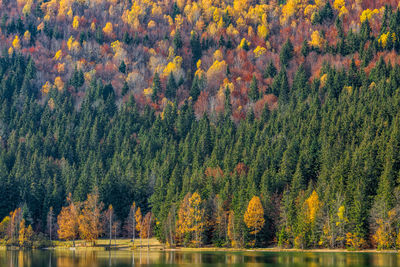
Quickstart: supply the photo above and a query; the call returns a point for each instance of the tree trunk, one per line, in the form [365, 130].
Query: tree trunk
[148, 233]
[110, 228]
[134, 226]
[255, 237]
[50, 229]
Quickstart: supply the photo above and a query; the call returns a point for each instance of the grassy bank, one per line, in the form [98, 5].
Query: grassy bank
[154, 245]
[119, 244]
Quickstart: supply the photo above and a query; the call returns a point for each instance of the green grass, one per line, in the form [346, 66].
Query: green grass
[103, 244]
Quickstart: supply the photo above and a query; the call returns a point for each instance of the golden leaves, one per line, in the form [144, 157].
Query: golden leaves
[218, 67]
[46, 87]
[73, 45]
[138, 219]
[59, 83]
[174, 66]
[58, 55]
[108, 29]
[323, 79]
[254, 215]
[385, 37]
[27, 36]
[218, 55]
[368, 14]
[16, 43]
[259, 51]
[340, 5]
[68, 221]
[316, 40]
[190, 216]
[151, 24]
[243, 43]
[262, 31]
[90, 226]
[313, 204]
[75, 23]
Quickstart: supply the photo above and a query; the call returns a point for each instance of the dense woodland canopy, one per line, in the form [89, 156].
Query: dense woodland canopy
[227, 123]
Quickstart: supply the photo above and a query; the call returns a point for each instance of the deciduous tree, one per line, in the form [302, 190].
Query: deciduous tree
[254, 216]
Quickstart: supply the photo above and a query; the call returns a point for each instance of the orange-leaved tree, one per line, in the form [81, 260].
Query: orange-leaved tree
[68, 221]
[254, 216]
[139, 222]
[90, 227]
[145, 230]
[25, 234]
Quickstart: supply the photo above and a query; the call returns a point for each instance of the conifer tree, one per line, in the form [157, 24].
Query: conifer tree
[156, 87]
[171, 87]
[254, 92]
[286, 53]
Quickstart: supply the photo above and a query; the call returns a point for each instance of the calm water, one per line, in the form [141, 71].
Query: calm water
[126, 258]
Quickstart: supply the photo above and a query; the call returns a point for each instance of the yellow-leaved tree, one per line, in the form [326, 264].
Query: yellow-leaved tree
[108, 29]
[58, 55]
[317, 41]
[25, 234]
[190, 219]
[59, 83]
[231, 229]
[383, 39]
[16, 42]
[46, 87]
[254, 216]
[313, 205]
[75, 22]
[340, 5]
[196, 212]
[27, 36]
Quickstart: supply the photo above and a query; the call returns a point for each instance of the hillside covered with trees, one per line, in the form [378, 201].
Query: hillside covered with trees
[227, 123]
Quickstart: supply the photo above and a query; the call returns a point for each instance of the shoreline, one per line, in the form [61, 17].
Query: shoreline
[203, 249]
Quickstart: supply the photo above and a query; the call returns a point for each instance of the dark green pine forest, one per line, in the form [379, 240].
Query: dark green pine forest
[344, 144]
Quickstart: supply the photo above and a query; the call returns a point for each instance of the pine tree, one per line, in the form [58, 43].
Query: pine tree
[177, 40]
[195, 89]
[196, 47]
[270, 70]
[122, 67]
[286, 53]
[156, 87]
[171, 87]
[253, 92]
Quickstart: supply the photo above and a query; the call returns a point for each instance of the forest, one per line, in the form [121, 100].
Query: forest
[230, 123]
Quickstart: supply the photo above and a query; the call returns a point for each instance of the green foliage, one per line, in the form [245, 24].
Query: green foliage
[254, 92]
[286, 53]
[171, 87]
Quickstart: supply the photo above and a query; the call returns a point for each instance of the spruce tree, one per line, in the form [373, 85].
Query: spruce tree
[253, 92]
[156, 87]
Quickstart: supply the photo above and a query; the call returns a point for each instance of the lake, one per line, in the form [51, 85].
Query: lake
[82, 258]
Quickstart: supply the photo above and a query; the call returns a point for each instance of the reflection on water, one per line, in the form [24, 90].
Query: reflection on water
[82, 258]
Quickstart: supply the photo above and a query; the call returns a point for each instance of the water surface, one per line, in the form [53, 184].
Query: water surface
[40, 258]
